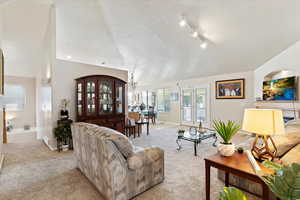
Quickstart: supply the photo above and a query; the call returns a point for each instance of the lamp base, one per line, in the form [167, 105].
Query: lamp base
[261, 149]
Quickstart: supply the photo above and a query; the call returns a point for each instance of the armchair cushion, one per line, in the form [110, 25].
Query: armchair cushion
[143, 157]
[285, 142]
[293, 156]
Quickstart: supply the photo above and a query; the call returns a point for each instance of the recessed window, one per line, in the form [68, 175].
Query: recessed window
[163, 100]
[14, 99]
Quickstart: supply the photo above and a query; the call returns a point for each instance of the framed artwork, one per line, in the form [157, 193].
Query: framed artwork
[1, 73]
[230, 89]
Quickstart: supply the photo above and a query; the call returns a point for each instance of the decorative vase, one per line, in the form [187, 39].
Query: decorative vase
[240, 150]
[226, 149]
[64, 114]
[181, 133]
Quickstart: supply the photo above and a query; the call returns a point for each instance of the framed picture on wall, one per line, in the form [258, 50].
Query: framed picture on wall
[230, 89]
[1, 73]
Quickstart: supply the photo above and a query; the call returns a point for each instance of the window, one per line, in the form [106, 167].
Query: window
[187, 101]
[130, 98]
[14, 99]
[194, 105]
[163, 100]
[144, 97]
[200, 104]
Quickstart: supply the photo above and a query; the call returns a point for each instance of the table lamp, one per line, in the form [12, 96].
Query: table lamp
[264, 123]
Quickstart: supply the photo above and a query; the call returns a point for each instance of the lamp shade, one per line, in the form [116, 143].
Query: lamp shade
[263, 121]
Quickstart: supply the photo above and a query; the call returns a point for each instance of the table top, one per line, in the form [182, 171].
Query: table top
[198, 136]
[238, 162]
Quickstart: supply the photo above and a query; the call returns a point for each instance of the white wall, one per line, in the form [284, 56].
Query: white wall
[64, 74]
[43, 83]
[226, 109]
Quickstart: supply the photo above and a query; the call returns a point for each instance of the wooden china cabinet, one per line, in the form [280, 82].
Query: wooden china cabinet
[101, 100]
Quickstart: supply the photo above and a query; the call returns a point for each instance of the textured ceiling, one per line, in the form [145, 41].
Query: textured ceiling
[24, 24]
[243, 34]
[144, 34]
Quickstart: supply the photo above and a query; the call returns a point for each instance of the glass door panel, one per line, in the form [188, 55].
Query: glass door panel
[187, 101]
[79, 99]
[119, 98]
[105, 97]
[91, 97]
[200, 103]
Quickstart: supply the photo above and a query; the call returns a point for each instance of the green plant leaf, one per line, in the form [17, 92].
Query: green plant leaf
[272, 165]
[226, 130]
[232, 193]
[285, 183]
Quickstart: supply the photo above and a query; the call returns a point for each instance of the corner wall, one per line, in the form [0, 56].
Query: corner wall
[286, 60]
[43, 83]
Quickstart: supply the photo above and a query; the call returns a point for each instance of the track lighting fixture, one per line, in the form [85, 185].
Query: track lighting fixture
[194, 32]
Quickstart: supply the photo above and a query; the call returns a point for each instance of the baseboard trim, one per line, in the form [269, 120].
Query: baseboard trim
[170, 123]
[1, 161]
[46, 141]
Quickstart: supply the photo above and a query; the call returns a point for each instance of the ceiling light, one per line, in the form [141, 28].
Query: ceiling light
[182, 23]
[203, 45]
[69, 57]
[195, 34]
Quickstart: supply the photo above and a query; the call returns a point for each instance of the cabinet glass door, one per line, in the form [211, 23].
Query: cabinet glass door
[91, 97]
[79, 99]
[105, 97]
[119, 98]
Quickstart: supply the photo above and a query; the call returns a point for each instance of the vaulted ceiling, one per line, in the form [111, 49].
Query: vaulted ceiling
[144, 36]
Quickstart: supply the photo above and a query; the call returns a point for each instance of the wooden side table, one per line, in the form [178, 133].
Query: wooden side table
[239, 165]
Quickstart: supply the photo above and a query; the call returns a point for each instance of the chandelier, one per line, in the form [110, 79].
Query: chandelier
[132, 84]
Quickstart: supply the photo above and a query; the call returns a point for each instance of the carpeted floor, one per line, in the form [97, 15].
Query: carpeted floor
[32, 172]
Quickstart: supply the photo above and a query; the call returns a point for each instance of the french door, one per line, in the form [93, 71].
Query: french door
[194, 107]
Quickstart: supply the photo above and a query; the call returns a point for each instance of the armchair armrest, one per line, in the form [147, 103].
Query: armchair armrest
[144, 157]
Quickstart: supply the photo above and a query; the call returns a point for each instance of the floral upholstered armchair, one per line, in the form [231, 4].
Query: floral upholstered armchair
[118, 169]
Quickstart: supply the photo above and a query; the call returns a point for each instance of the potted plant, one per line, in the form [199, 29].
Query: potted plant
[284, 183]
[232, 193]
[63, 136]
[226, 131]
[180, 132]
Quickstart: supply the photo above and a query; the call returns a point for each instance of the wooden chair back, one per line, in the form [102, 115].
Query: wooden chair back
[134, 115]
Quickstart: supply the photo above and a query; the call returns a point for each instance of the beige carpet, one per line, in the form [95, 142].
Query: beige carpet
[32, 172]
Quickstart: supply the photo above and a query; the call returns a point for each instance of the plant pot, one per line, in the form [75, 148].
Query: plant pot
[226, 149]
[180, 134]
[65, 147]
